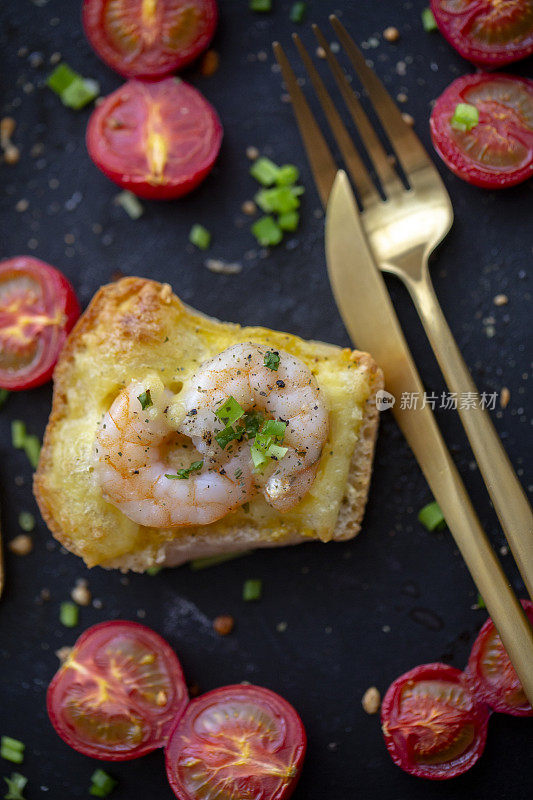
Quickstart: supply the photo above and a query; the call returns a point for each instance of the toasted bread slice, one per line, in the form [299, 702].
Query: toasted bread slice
[135, 327]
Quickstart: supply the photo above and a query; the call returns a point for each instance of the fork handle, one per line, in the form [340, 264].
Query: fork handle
[507, 495]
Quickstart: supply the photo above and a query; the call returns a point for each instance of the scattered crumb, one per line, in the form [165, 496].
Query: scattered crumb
[194, 689]
[386, 628]
[11, 154]
[401, 68]
[81, 594]
[55, 58]
[63, 653]
[281, 627]
[44, 595]
[21, 545]
[504, 550]
[141, 613]
[401, 97]
[97, 603]
[223, 267]
[321, 53]
[505, 396]
[252, 153]
[391, 34]
[249, 207]
[223, 625]
[408, 119]
[333, 746]
[7, 129]
[500, 300]
[22, 205]
[371, 700]
[210, 63]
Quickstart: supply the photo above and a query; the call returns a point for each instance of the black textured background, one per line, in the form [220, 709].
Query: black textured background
[357, 614]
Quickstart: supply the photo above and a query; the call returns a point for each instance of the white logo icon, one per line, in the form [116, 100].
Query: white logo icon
[384, 400]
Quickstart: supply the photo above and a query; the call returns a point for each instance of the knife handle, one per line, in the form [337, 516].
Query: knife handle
[506, 493]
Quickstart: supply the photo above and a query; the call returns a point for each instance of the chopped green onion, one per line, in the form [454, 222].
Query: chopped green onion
[429, 22]
[289, 221]
[32, 448]
[260, 6]
[480, 602]
[69, 614]
[18, 433]
[4, 394]
[267, 231]
[277, 452]
[432, 517]
[61, 78]
[200, 237]
[80, 93]
[253, 421]
[252, 589]
[213, 561]
[280, 199]
[130, 203]
[259, 458]
[153, 570]
[102, 784]
[226, 436]
[145, 399]
[275, 428]
[74, 90]
[15, 786]
[271, 360]
[288, 174]
[26, 521]
[465, 117]
[230, 411]
[264, 171]
[183, 474]
[12, 749]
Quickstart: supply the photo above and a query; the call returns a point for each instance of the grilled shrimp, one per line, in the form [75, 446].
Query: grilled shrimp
[147, 430]
[135, 451]
[286, 390]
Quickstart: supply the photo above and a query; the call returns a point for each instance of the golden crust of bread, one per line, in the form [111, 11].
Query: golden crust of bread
[136, 326]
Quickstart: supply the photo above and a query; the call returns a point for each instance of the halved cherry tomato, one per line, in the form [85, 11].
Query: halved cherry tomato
[498, 151]
[159, 140]
[118, 693]
[434, 726]
[487, 32]
[38, 308]
[238, 741]
[149, 38]
[491, 675]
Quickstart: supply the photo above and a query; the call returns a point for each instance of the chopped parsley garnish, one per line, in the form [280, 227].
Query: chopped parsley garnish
[145, 399]
[183, 474]
[266, 444]
[4, 394]
[74, 90]
[252, 589]
[253, 421]
[12, 749]
[432, 517]
[102, 784]
[15, 786]
[271, 360]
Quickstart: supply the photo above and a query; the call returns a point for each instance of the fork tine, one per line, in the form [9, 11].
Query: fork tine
[409, 149]
[388, 177]
[319, 155]
[362, 181]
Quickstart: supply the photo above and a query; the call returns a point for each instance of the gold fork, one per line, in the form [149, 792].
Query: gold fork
[403, 230]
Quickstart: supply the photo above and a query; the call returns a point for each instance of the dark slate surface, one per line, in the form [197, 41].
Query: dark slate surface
[356, 614]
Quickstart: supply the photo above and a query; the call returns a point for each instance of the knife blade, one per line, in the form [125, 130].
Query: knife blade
[369, 316]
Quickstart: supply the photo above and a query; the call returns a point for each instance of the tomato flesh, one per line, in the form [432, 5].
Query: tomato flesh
[498, 151]
[491, 675]
[159, 140]
[238, 741]
[38, 308]
[149, 38]
[488, 32]
[117, 694]
[434, 726]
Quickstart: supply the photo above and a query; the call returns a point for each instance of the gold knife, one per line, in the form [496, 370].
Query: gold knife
[369, 316]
